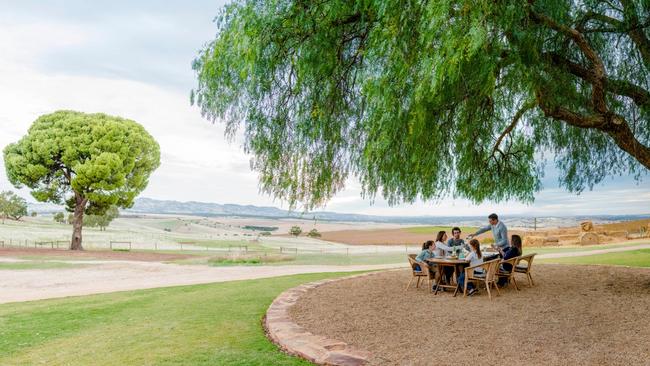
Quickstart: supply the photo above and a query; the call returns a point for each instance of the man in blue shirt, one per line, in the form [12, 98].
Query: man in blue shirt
[499, 232]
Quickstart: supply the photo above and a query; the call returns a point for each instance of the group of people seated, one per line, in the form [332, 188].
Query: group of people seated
[471, 252]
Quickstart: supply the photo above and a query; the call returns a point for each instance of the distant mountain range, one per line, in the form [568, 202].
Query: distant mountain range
[148, 205]
[153, 206]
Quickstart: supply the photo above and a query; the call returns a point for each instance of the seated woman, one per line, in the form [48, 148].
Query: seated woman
[428, 251]
[442, 250]
[475, 258]
[513, 251]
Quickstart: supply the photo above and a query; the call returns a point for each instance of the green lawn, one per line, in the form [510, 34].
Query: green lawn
[633, 258]
[38, 265]
[434, 230]
[583, 248]
[214, 324]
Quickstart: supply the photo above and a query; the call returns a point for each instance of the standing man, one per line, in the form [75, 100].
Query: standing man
[499, 231]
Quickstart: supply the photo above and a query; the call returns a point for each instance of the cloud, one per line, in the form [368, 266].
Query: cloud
[132, 59]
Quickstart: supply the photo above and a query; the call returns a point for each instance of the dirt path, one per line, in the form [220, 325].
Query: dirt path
[103, 276]
[36, 284]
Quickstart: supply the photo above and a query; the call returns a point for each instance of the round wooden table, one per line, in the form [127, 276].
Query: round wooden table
[456, 263]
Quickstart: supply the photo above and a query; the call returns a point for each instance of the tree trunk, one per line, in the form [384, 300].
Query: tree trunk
[77, 221]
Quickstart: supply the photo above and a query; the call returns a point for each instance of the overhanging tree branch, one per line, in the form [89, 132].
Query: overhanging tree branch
[598, 90]
[639, 95]
[524, 108]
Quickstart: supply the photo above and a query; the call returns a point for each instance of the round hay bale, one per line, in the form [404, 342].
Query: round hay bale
[586, 226]
[588, 238]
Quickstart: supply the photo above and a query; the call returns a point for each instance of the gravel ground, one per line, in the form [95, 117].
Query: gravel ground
[575, 315]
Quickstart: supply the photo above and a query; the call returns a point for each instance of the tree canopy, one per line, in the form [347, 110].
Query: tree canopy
[12, 205]
[88, 161]
[424, 99]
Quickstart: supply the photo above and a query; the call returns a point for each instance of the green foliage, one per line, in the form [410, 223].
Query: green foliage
[12, 205]
[33, 214]
[59, 217]
[102, 221]
[103, 158]
[295, 231]
[427, 99]
[313, 233]
[88, 161]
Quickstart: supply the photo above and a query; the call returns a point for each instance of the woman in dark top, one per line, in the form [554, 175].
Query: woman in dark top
[513, 251]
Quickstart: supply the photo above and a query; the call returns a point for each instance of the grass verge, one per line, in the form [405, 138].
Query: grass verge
[433, 230]
[214, 324]
[633, 258]
[38, 265]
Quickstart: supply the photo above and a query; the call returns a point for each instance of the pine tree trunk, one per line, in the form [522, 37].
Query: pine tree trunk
[77, 222]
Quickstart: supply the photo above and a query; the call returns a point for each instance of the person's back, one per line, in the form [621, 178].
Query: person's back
[424, 255]
[474, 260]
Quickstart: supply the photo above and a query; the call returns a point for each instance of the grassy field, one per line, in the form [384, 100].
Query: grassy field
[215, 324]
[38, 265]
[434, 229]
[634, 258]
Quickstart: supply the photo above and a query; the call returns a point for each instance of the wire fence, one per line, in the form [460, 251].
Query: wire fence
[123, 245]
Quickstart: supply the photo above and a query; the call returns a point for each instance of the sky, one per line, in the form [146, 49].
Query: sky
[133, 59]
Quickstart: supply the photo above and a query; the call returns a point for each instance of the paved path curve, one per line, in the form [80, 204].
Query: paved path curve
[109, 276]
[36, 284]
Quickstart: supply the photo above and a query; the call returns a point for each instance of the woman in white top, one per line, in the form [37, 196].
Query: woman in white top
[475, 258]
[442, 249]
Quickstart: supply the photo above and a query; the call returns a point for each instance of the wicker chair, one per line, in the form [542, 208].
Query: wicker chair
[525, 268]
[418, 273]
[488, 277]
[508, 274]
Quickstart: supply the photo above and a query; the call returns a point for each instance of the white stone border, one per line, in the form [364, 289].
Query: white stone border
[295, 340]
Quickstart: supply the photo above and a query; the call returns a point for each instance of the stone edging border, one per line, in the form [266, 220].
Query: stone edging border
[297, 341]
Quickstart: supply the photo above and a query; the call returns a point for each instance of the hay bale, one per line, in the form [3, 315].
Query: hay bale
[540, 241]
[533, 241]
[586, 226]
[588, 238]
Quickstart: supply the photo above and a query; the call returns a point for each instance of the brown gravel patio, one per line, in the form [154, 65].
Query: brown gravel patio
[575, 315]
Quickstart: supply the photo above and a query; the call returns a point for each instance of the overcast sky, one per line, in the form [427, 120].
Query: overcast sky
[133, 59]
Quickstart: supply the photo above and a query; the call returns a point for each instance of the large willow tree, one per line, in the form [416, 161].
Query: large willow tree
[431, 98]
